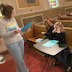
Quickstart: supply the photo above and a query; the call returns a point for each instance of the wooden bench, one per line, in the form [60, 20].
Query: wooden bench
[35, 33]
[66, 23]
[68, 32]
[64, 17]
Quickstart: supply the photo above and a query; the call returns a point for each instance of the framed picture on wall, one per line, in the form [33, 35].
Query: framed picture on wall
[26, 6]
[27, 3]
[37, 19]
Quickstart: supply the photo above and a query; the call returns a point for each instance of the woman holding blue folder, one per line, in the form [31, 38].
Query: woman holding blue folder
[10, 32]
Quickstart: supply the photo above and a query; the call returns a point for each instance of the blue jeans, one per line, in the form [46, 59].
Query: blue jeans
[17, 51]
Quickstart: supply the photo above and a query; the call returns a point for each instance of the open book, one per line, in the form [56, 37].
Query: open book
[26, 27]
[50, 43]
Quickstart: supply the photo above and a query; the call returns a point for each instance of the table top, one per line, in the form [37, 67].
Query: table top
[48, 50]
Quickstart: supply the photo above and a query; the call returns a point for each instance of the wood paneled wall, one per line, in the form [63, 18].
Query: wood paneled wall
[48, 13]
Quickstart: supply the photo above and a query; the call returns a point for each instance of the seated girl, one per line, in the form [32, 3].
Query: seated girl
[49, 27]
[64, 57]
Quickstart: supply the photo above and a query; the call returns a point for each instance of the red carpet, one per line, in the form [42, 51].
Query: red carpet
[34, 61]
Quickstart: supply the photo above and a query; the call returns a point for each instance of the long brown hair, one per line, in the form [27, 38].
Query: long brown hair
[48, 23]
[6, 10]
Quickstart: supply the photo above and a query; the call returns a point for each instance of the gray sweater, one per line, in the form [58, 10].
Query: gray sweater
[7, 28]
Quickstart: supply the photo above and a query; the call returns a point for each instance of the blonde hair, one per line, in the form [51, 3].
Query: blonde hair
[59, 24]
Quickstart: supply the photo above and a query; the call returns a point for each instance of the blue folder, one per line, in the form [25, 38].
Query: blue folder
[26, 27]
[50, 43]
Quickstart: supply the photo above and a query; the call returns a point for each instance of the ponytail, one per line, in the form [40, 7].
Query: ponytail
[6, 10]
[2, 6]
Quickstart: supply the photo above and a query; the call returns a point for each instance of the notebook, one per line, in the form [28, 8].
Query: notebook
[50, 43]
[39, 40]
[26, 27]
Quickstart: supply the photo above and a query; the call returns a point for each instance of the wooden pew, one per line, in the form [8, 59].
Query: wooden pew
[68, 32]
[35, 33]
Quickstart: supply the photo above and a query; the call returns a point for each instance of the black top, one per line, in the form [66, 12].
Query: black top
[56, 36]
[60, 37]
[49, 32]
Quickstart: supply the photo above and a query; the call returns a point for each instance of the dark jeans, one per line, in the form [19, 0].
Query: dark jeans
[64, 57]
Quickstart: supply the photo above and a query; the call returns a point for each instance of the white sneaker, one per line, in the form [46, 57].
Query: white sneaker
[2, 59]
[69, 68]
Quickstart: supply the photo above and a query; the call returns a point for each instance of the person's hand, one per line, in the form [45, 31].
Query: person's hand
[17, 30]
[42, 32]
[58, 30]
[49, 22]
[54, 31]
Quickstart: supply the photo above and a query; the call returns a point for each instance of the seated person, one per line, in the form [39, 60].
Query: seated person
[49, 27]
[64, 57]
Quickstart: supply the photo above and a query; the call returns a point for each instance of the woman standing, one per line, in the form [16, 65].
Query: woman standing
[10, 32]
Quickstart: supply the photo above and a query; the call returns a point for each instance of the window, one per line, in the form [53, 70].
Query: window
[53, 3]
